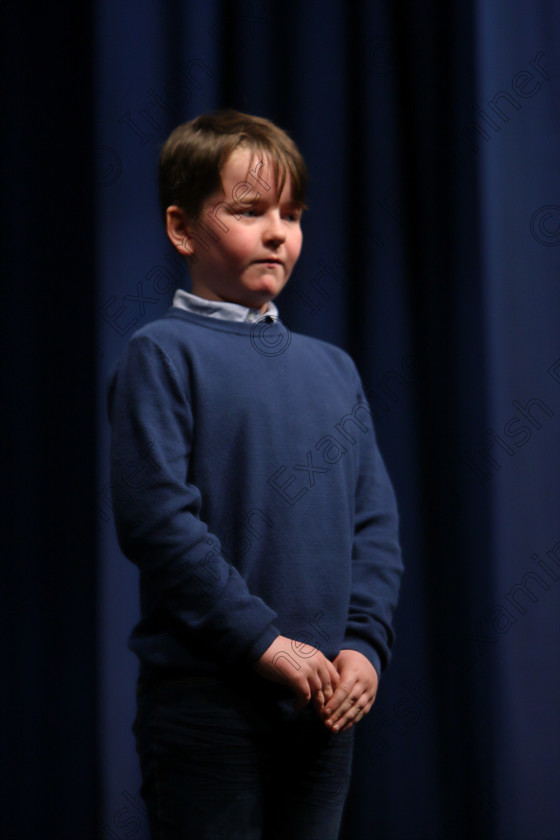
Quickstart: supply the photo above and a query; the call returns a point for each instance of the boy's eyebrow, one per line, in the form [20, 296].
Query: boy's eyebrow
[287, 203]
[293, 202]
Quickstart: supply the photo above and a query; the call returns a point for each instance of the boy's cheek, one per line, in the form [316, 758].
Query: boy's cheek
[296, 244]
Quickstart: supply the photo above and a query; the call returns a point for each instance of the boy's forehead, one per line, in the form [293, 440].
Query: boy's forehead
[254, 167]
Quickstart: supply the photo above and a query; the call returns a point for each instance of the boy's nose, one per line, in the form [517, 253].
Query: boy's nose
[274, 231]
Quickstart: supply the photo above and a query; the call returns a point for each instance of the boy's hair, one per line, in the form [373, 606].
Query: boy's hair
[193, 155]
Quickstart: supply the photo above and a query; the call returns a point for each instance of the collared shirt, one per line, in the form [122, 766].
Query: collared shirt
[221, 309]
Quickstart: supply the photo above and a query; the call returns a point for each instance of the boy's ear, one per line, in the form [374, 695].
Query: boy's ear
[178, 229]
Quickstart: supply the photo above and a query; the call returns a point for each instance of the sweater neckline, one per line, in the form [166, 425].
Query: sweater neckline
[220, 324]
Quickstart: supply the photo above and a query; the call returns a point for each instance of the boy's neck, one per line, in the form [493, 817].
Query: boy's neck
[228, 310]
[201, 291]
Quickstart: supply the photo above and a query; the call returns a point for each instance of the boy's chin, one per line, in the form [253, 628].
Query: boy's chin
[266, 289]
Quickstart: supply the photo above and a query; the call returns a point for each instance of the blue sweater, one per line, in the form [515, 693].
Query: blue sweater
[248, 489]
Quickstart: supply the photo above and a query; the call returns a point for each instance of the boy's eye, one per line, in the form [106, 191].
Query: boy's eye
[290, 215]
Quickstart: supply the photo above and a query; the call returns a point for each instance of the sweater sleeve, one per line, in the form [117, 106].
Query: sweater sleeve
[157, 511]
[376, 556]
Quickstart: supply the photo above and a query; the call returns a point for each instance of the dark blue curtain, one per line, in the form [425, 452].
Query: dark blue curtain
[431, 253]
[49, 776]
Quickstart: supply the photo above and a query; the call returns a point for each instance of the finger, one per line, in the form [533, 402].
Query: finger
[354, 698]
[315, 691]
[304, 695]
[329, 679]
[339, 698]
[318, 707]
[300, 703]
[318, 701]
[328, 692]
[322, 696]
[333, 674]
[354, 714]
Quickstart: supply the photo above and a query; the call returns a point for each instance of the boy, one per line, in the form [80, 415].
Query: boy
[259, 513]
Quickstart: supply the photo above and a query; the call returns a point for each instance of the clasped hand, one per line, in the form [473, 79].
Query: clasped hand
[342, 691]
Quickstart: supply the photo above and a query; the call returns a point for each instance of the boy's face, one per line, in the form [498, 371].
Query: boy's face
[253, 259]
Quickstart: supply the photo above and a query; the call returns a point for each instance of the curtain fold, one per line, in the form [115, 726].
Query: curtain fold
[417, 123]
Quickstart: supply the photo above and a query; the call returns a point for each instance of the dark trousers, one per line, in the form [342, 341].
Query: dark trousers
[220, 762]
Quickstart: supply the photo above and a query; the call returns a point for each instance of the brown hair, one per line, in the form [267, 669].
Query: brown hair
[194, 154]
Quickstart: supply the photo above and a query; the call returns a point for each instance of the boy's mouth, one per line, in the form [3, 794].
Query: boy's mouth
[269, 261]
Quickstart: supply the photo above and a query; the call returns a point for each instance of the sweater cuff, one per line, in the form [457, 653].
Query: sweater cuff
[367, 650]
[263, 643]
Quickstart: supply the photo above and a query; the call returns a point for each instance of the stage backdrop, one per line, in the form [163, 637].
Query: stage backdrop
[431, 253]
